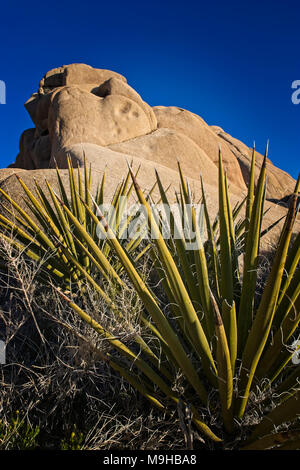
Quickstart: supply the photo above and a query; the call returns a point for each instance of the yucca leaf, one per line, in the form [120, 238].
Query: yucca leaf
[41, 236]
[212, 245]
[118, 345]
[156, 313]
[292, 261]
[23, 236]
[191, 319]
[43, 217]
[264, 316]
[297, 186]
[289, 312]
[229, 211]
[41, 213]
[137, 362]
[238, 207]
[144, 347]
[18, 220]
[276, 440]
[62, 189]
[285, 412]
[135, 380]
[64, 224]
[290, 445]
[35, 253]
[73, 187]
[291, 381]
[251, 261]
[101, 189]
[250, 195]
[229, 319]
[112, 214]
[179, 244]
[234, 252]
[279, 354]
[99, 256]
[176, 312]
[46, 203]
[270, 227]
[203, 281]
[225, 239]
[224, 367]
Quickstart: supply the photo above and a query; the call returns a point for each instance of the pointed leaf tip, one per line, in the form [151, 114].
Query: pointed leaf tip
[267, 148]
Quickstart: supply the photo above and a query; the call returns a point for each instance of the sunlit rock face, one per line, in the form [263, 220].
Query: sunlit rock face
[80, 111]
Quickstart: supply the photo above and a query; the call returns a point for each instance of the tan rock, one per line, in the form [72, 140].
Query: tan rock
[169, 146]
[38, 109]
[52, 79]
[41, 151]
[25, 158]
[35, 151]
[79, 107]
[196, 129]
[114, 86]
[75, 74]
[280, 183]
[38, 104]
[76, 116]
[81, 73]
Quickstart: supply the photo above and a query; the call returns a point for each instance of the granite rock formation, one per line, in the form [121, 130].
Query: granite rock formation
[79, 110]
[82, 111]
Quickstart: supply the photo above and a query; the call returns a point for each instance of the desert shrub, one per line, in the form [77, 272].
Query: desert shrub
[18, 434]
[201, 335]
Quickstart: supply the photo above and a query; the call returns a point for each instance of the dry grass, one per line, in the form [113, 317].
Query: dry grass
[58, 382]
[53, 376]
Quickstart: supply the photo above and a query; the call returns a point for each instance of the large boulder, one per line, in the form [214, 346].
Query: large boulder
[76, 116]
[76, 74]
[170, 147]
[196, 129]
[80, 107]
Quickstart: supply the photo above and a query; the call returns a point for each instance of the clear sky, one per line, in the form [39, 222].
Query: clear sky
[233, 63]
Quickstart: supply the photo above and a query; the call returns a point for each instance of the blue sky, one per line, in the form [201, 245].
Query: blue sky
[232, 63]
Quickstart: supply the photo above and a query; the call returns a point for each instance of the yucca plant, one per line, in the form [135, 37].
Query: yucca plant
[210, 326]
[45, 233]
